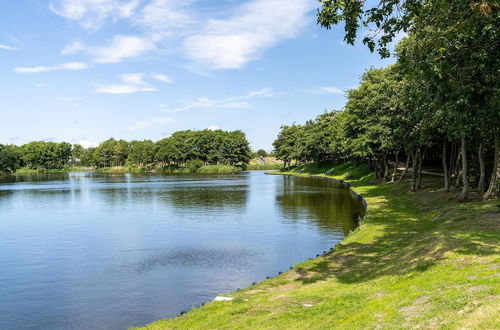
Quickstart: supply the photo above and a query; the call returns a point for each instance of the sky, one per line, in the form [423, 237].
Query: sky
[83, 71]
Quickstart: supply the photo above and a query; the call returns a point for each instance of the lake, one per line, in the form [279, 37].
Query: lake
[95, 251]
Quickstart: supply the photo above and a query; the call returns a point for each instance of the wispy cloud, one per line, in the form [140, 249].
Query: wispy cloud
[256, 26]
[324, 90]
[132, 83]
[162, 77]
[92, 13]
[72, 48]
[65, 66]
[237, 102]
[6, 47]
[121, 47]
[163, 17]
[156, 121]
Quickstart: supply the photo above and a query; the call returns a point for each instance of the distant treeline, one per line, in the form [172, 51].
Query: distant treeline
[184, 148]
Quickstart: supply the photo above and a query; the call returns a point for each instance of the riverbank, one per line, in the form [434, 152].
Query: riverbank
[205, 169]
[23, 171]
[416, 260]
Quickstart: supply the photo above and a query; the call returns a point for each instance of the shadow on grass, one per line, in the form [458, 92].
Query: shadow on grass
[413, 232]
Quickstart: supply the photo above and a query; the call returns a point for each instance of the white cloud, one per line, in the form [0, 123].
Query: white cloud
[123, 89]
[72, 48]
[84, 142]
[150, 122]
[222, 43]
[236, 102]
[255, 27]
[6, 47]
[213, 128]
[121, 47]
[92, 13]
[73, 66]
[134, 79]
[163, 16]
[324, 90]
[162, 77]
[133, 83]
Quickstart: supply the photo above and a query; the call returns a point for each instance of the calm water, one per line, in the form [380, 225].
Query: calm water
[88, 251]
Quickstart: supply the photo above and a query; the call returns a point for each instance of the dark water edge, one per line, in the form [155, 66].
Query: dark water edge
[95, 251]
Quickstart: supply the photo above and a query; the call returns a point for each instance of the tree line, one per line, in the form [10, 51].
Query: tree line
[188, 148]
[439, 101]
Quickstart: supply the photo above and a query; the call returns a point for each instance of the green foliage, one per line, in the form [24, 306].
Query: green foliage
[9, 158]
[185, 149]
[194, 164]
[45, 155]
[141, 152]
[207, 146]
[442, 91]
[261, 153]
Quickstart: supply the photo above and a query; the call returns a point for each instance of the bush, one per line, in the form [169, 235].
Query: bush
[194, 164]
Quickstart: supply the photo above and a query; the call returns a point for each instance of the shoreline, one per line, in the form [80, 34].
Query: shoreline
[343, 183]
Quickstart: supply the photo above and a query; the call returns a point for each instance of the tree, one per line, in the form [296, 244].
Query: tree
[261, 153]
[451, 59]
[141, 152]
[9, 158]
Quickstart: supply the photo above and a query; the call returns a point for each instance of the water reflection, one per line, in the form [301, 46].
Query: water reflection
[324, 202]
[33, 177]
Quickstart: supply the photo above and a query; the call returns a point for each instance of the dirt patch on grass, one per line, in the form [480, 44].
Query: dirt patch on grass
[419, 306]
[445, 214]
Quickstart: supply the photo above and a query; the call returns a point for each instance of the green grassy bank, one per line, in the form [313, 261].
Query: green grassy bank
[417, 260]
[23, 171]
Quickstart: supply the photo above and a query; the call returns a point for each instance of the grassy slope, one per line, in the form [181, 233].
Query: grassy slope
[416, 260]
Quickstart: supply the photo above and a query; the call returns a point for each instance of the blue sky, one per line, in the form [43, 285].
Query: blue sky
[85, 70]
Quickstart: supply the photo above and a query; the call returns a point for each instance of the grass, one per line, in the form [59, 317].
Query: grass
[417, 260]
[24, 171]
[271, 163]
[209, 169]
[259, 167]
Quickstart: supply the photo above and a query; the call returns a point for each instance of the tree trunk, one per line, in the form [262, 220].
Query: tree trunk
[465, 177]
[452, 160]
[494, 187]
[482, 175]
[377, 168]
[415, 157]
[420, 161]
[395, 167]
[458, 173]
[445, 168]
[406, 168]
[386, 168]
